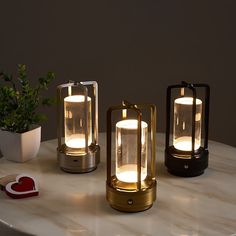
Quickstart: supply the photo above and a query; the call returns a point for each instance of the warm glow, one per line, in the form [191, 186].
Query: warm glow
[75, 142]
[130, 124]
[128, 173]
[185, 143]
[76, 98]
[75, 121]
[126, 150]
[183, 125]
[187, 101]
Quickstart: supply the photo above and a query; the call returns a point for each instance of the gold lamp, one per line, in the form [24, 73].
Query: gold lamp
[78, 150]
[131, 182]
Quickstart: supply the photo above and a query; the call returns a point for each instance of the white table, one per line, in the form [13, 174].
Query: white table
[75, 204]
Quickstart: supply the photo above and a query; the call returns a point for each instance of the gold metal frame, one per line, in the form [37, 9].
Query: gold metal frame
[131, 198]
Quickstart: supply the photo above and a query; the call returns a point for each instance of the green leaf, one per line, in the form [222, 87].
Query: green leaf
[48, 101]
[19, 101]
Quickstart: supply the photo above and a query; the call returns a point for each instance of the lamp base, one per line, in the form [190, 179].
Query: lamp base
[186, 165]
[79, 163]
[131, 201]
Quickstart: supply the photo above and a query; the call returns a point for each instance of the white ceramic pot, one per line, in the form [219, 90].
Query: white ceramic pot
[20, 147]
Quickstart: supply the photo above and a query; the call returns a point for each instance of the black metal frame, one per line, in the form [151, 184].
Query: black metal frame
[199, 158]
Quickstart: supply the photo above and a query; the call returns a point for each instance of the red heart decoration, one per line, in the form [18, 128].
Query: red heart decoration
[24, 186]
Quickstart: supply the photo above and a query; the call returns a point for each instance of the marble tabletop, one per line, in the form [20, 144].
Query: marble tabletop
[75, 204]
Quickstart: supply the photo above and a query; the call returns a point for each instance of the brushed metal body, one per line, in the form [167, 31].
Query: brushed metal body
[132, 197]
[70, 160]
[73, 163]
[131, 201]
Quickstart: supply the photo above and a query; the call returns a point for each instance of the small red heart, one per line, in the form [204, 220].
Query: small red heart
[24, 186]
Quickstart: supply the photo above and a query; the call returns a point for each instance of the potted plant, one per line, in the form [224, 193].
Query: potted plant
[20, 132]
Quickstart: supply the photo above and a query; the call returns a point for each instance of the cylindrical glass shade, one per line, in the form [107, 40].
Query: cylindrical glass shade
[182, 133]
[126, 150]
[75, 125]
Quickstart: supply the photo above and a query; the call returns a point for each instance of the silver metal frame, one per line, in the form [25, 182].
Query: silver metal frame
[70, 162]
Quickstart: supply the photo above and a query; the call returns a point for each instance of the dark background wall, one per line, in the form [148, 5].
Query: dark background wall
[134, 49]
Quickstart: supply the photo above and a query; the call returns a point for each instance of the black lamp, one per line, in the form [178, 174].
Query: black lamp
[187, 119]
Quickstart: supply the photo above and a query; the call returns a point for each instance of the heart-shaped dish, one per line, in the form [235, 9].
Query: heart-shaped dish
[24, 186]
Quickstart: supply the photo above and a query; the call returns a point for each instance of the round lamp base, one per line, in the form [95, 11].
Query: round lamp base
[186, 165]
[131, 201]
[79, 163]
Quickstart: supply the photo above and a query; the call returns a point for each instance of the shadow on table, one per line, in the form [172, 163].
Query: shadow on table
[8, 230]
